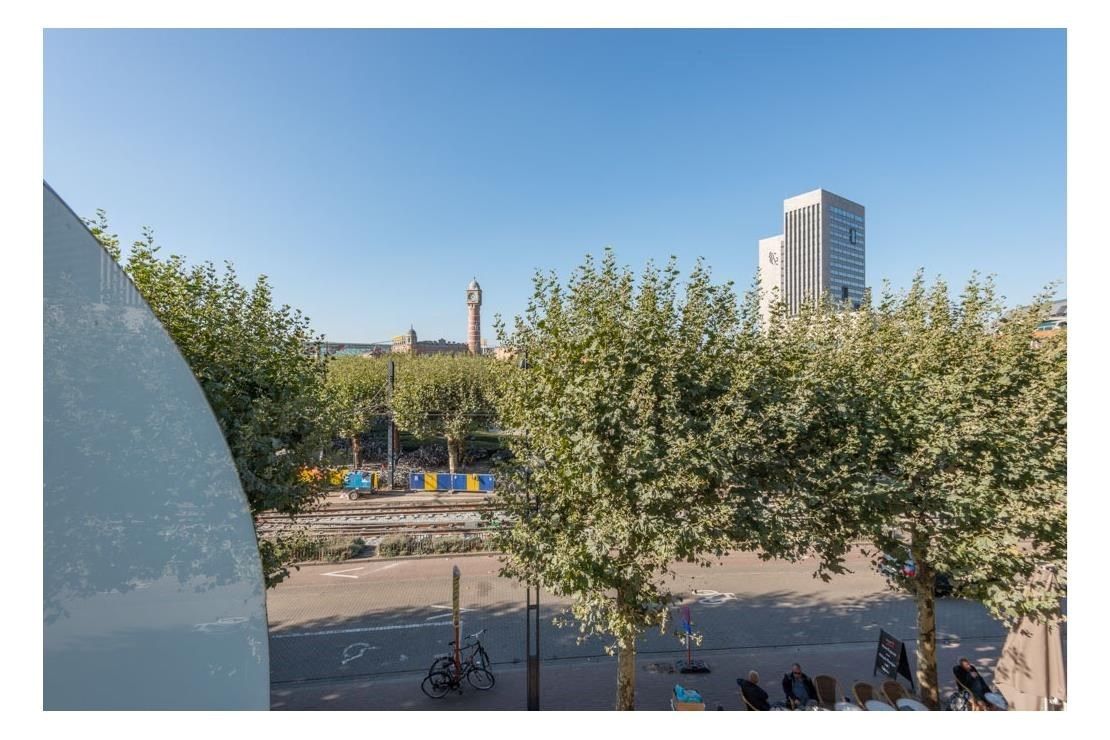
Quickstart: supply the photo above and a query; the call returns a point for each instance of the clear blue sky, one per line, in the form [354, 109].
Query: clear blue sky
[371, 174]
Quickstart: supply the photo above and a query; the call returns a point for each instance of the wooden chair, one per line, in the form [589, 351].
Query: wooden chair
[893, 691]
[971, 700]
[865, 692]
[748, 707]
[828, 691]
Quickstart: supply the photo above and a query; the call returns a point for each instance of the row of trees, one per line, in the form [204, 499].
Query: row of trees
[661, 423]
[277, 404]
[433, 396]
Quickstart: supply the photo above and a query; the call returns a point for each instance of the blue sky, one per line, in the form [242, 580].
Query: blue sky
[371, 174]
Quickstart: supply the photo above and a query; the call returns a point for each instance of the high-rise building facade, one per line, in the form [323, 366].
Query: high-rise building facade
[821, 251]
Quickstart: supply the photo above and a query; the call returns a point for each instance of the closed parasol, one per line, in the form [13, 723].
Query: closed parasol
[1030, 672]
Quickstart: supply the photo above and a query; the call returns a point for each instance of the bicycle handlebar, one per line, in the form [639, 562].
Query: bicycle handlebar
[476, 635]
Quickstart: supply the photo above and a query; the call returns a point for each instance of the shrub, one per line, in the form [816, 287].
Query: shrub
[402, 545]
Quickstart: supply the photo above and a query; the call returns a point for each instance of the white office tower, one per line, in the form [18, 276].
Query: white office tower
[821, 250]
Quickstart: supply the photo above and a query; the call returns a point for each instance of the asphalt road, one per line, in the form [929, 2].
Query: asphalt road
[379, 619]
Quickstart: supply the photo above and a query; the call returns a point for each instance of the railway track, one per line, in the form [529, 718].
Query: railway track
[396, 510]
[380, 519]
[369, 529]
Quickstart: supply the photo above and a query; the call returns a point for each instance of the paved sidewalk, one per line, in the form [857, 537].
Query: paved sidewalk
[590, 684]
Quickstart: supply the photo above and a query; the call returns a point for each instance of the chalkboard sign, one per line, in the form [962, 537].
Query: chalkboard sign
[890, 659]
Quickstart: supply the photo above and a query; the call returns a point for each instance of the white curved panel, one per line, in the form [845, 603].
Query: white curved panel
[153, 594]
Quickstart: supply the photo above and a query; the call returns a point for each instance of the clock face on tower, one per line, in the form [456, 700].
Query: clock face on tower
[472, 296]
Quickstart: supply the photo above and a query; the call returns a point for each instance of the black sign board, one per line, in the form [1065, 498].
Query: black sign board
[890, 659]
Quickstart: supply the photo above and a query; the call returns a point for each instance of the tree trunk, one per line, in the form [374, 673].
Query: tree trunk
[454, 453]
[356, 450]
[452, 456]
[626, 676]
[925, 584]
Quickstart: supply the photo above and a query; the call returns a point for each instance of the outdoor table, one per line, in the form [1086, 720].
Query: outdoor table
[874, 705]
[911, 705]
[998, 700]
[847, 706]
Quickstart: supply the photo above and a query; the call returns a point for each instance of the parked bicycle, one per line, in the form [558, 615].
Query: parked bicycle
[445, 675]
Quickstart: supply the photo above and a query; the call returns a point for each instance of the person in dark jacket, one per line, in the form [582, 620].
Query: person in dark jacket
[752, 692]
[969, 678]
[799, 690]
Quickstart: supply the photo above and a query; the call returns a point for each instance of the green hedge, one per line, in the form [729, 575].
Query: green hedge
[401, 545]
[305, 548]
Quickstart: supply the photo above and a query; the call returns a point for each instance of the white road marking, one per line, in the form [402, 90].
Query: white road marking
[360, 649]
[354, 630]
[385, 567]
[441, 606]
[711, 598]
[339, 573]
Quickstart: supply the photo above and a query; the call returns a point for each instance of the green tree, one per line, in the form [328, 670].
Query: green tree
[357, 394]
[973, 471]
[958, 419]
[447, 396]
[800, 443]
[254, 364]
[614, 426]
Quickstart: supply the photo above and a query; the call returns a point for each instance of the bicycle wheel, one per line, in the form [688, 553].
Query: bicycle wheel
[436, 685]
[480, 679]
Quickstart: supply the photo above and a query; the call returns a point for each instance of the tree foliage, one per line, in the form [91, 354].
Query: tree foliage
[357, 393]
[447, 396]
[252, 360]
[615, 424]
[954, 422]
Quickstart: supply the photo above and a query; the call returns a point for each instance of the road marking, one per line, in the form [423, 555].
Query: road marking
[711, 598]
[441, 606]
[361, 647]
[385, 567]
[339, 573]
[354, 630]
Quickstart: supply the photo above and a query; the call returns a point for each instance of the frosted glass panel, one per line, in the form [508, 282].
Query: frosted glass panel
[152, 588]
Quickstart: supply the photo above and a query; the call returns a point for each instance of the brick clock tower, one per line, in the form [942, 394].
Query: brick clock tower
[474, 311]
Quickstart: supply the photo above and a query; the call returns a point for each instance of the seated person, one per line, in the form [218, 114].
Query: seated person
[798, 688]
[970, 679]
[753, 694]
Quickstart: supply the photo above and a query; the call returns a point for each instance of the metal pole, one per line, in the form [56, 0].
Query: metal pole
[391, 433]
[455, 616]
[533, 637]
[532, 628]
[532, 604]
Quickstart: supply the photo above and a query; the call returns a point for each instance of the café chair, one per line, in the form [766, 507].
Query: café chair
[747, 704]
[828, 691]
[893, 691]
[865, 692]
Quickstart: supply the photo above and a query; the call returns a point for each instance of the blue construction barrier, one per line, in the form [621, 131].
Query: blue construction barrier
[478, 482]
